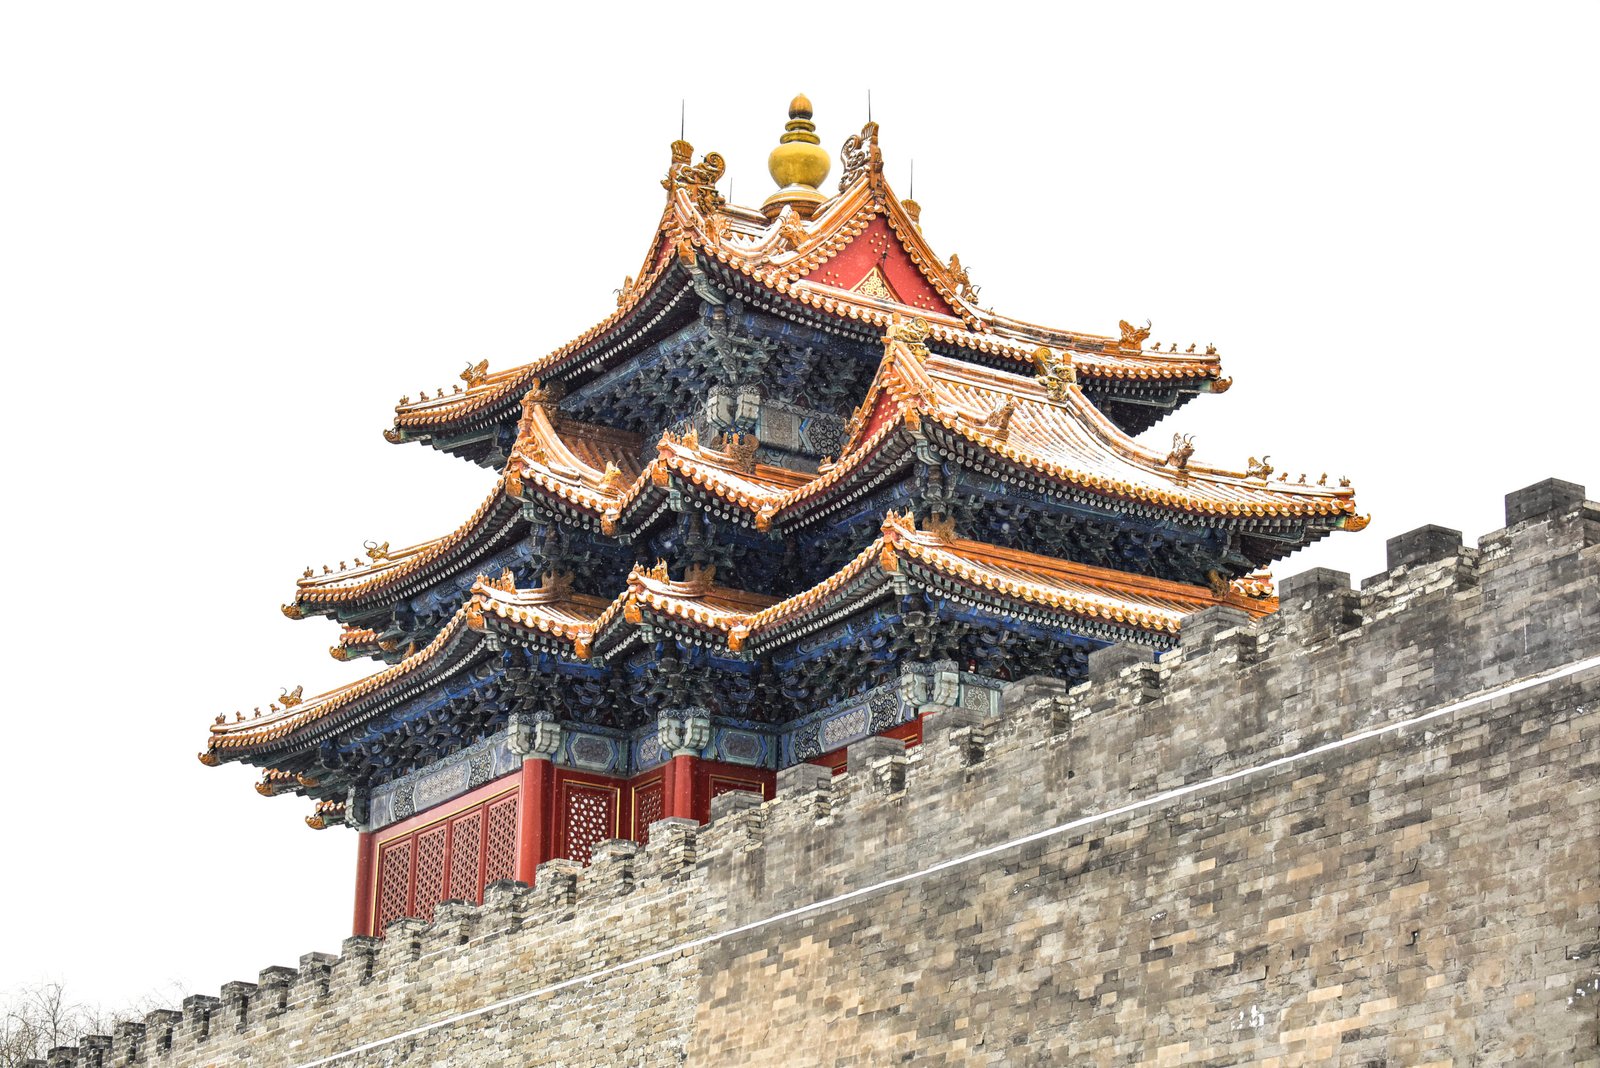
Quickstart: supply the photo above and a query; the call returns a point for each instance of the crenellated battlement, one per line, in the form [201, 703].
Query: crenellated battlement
[1070, 855]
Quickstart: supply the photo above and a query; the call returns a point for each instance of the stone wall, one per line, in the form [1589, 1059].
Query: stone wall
[1364, 831]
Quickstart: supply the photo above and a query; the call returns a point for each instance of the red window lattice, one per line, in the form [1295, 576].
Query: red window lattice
[432, 855]
[649, 805]
[502, 841]
[450, 860]
[394, 884]
[590, 816]
[466, 855]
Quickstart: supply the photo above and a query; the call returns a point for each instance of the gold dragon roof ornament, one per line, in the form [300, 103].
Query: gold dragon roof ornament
[698, 179]
[861, 155]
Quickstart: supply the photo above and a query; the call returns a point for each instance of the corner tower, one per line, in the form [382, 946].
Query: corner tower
[797, 490]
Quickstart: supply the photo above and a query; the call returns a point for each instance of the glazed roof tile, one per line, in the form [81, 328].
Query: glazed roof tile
[556, 613]
[1066, 438]
[262, 729]
[778, 256]
[386, 576]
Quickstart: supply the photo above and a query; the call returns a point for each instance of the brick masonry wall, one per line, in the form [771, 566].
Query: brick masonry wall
[1216, 867]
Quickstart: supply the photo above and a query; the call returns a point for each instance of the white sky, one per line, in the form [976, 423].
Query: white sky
[233, 235]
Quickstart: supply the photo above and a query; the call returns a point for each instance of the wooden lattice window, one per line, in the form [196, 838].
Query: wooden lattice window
[649, 805]
[589, 818]
[432, 856]
[501, 847]
[394, 884]
[452, 858]
[466, 857]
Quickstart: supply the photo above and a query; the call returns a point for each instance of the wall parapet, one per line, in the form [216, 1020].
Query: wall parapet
[1443, 622]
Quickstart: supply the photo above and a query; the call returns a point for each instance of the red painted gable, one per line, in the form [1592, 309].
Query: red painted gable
[877, 246]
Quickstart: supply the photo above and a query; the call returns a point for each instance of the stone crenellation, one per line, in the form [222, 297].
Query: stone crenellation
[1127, 871]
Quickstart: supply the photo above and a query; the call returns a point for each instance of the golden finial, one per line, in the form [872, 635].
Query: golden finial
[799, 164]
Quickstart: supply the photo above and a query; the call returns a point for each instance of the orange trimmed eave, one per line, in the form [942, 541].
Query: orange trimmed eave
[244, 733]
[562, 473]
[544, 462]
[563, 615]
[321, 593]
[848, 215]
[953, 394]
[770, 494]
[761, 254]
[357, 642]
[1066, 439]
[737, 617]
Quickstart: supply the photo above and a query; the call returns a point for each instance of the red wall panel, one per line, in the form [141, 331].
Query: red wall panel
[500, 846]
[456, 849]
[448, 853]
[649, 805]
[588, 811]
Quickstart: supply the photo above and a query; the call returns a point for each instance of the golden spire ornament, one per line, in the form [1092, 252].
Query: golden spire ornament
[799, 165]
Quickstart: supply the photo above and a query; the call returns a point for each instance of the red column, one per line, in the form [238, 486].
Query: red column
[534, 799]
[363, 916]
[677, 788]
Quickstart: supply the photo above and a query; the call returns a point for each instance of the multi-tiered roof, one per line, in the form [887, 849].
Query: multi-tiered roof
[796, 459]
